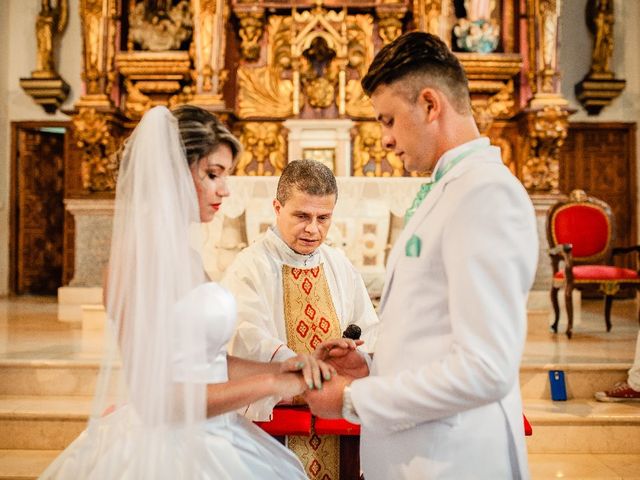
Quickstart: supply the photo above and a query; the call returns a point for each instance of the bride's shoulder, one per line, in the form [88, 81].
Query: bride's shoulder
[209, 295]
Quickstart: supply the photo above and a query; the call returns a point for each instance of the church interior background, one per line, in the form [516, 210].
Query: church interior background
[555, 84]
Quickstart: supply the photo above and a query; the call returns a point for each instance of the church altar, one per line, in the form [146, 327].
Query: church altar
[366, 221]
[368, 218]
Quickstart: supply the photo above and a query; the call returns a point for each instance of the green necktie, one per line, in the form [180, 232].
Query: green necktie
[425, 188]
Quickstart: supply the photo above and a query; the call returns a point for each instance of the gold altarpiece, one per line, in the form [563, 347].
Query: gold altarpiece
[260, 63]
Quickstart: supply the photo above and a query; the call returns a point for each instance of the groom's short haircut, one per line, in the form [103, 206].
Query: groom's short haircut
[308, 176]
[418, 60]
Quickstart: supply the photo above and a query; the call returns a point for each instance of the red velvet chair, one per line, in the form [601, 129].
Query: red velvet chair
[581, 235]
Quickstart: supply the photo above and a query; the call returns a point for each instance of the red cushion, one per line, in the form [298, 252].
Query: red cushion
[288, 421]
[585, 227]
[528, 431]
[599, 272]
[326, 426]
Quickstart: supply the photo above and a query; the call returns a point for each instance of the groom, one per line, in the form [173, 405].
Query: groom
[442, 400]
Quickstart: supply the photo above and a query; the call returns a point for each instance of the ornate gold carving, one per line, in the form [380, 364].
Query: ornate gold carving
[599, 87]
[161, 28]
[152, 78]
[370, 158]
[609, 288]
[262, 91]
[136, 102]
[546, 130]
[427, 14]
[251, 27]
[500, 105]
[360, 55]
[390, 25]
[578, 195]
[45, 85]
[264, 152]
[319, 49]
[312, 71]
[99, 160]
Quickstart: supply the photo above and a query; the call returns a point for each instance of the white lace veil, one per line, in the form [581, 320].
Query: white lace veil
[147, 379]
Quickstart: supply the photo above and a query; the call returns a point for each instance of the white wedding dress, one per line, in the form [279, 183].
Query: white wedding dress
[225, 447]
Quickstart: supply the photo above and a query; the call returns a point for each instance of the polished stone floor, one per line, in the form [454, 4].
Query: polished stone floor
[29, 330]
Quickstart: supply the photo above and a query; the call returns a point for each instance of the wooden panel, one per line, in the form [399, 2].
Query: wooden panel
[600, 159]
[37, 208]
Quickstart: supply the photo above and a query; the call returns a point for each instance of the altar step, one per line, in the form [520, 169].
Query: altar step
[29, 464]
[44, 402]
[41, 422]
[24, 464]
[78, 378]
[583, 426]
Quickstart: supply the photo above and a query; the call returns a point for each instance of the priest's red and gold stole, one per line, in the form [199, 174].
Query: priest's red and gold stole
[310, 318]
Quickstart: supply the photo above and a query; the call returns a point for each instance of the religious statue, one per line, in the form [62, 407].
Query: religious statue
[476, 29]
[51, 21]
[160, 26]
[601, 25]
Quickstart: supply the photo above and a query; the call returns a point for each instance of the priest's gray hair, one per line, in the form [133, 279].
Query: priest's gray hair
[307, 176]
[202, 133]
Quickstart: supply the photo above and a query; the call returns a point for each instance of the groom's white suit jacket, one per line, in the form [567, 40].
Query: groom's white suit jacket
[443, 398]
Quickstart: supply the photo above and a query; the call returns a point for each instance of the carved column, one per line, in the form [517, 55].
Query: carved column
[210, 16]
[98, 19]
[544, 122]
[599, 86]
[427, 15]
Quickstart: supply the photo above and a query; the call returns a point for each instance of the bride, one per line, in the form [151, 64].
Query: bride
[167, 391]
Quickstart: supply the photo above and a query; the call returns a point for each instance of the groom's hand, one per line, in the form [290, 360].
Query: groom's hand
[344, 357]
[327, 402]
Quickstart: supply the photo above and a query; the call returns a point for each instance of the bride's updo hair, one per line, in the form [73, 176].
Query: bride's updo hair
[202, 133]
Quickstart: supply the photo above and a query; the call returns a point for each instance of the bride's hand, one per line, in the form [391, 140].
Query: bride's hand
[312, 369]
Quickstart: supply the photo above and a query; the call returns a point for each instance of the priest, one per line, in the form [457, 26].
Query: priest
[295, 292]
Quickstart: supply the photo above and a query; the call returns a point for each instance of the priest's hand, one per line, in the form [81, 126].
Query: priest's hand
[344, 357]
[327, 402]
[313, 370]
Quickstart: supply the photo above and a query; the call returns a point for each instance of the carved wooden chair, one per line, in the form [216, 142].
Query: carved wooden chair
[581, 234]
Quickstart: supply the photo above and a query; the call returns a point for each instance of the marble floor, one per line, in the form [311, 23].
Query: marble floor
[30, 331]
